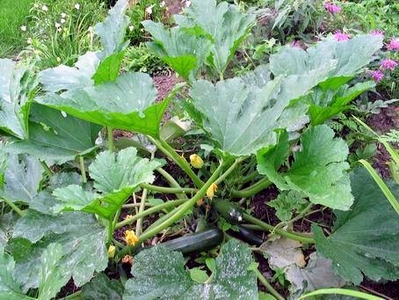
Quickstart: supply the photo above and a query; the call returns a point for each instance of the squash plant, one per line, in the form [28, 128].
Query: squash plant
[263, 128]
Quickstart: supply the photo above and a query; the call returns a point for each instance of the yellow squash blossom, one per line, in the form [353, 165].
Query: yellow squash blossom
[210, 192]
[130, 238]
[196, 161]
[111, 251]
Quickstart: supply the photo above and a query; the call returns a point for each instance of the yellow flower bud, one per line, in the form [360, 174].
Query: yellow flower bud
[196, 161]
[111, 251]
[210, 192]
[130, 238]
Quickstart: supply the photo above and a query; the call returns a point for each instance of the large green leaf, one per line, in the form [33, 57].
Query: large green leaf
[17, 86]
[326, 103]
[160, 273]
[112, 30]
[116, 177]
[124, 104]
[365, 240]
[7, 222]
[115, 171]
[185, 50]
[54, 136]
[81, 237]
[102, 288]
[242, 117]
[67, 78]
[350, 57]
[9, 288]
[319, 168]
[225, 25]
[22, 178]
[51, 273]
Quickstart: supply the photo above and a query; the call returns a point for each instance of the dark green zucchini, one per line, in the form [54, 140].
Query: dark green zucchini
[246, 235]
[228, 210]
[196, 242]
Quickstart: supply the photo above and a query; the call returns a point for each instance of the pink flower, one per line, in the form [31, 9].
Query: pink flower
[376, 75]
[340, 36]
[388, 64]
[332, 8]
[377, 33]
[393, 44]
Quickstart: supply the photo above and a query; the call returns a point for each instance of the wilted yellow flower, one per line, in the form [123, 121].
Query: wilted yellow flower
[210, 192]
[111, 251]
[196, 161]
[127, 259]
[130, 238]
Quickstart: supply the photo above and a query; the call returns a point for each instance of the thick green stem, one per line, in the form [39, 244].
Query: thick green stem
[291, 235]
[268, 286]
[82, 169]
[46, 168]
[180, 161]
[229, 170]
[150, 211]
[139, 222]
[166, 190]
[179, 212]
[110, 131]
[172, 182]
[252, 190]
[14, 207]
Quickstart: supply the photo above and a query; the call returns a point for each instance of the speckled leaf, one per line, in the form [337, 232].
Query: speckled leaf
[102, 288]
[75, 198]
[183, 49]
[51, 274]
[22, 178]
[9, 287]
[365, 240]
[350, 57]
[112, 171]
[224, 23]
[54, 136]
[160, 273]
[126, 103]
[319, 169]
[67, 78]
[81, 237]
[242, 117]
[112, 30]
[17, 87]
[7, 222]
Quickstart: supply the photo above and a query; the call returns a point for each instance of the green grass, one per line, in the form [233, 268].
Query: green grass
[12, 17]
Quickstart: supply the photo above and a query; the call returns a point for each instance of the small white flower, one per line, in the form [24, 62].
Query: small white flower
[131, 27]
[59, 29]
[188, 3]
[148, 9]
[62, 21]
[44, 8]
[57, 25]
[162, 4]
[77, 6]
[23, 28]
[63, 15]
[29, 41]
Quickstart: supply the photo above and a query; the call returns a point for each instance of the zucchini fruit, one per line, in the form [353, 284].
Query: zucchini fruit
[246, 235]
[196, 242]
[228, 210]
